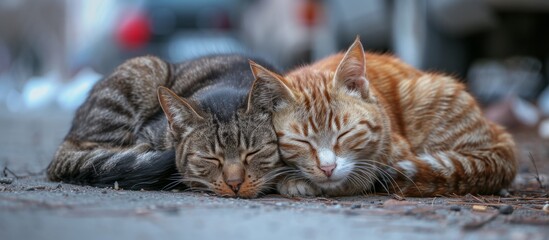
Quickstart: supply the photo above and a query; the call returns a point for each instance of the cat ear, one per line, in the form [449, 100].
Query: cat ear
[351, 72]
[269, 90]
[180, 112]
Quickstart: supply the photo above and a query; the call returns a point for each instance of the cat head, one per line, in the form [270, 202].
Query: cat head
[330, 123]
[236, 157]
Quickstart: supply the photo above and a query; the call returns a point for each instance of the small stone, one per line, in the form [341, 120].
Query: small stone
[506, 209]
[455, 208]
[504, 193]
[104, 191]
[6, 180]
[546, 208]
[356, 206]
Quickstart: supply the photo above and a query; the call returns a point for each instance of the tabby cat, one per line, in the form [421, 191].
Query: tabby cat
[150, 120]
[357, 122]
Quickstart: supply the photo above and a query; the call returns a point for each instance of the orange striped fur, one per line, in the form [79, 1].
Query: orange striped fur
[355, 123]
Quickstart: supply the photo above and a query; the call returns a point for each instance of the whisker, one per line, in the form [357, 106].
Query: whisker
[143, 183]
[266, 182]
[401, 173]
[384, 175]
[197, 180]
[360, 173]
[171, 185]
[198, 189]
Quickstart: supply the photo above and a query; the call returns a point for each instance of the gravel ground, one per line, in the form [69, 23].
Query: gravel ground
[33, 208]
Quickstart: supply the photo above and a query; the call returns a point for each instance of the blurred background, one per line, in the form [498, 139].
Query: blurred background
[53, 51]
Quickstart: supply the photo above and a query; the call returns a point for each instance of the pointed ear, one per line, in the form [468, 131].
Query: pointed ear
[180, 112]
[351, 72]
[269, 90]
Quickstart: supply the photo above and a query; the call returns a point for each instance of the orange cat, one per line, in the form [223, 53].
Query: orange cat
[355, 123]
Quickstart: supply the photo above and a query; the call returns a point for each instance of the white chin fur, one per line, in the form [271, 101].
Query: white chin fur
[343, 169]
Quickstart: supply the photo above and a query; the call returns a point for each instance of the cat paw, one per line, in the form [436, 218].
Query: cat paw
[297, 188]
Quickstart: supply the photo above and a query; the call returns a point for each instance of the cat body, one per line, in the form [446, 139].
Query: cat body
[355, 123]
[150, 121]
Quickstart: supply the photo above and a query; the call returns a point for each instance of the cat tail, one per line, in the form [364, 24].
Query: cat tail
[132, 168]
[101, 146]
[486, 170]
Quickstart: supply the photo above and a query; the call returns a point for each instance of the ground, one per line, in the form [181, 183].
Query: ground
[33, 208]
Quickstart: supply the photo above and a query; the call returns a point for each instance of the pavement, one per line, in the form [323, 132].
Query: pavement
[33, 208]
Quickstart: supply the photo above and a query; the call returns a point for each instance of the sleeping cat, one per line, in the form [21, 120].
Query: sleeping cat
[355, 123]
[150, 120]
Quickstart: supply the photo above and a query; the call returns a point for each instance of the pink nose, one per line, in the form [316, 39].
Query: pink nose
[328, 169]
[234, 184]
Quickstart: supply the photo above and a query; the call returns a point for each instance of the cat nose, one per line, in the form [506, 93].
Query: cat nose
[233, 174]
[328, 169]
[234, 183]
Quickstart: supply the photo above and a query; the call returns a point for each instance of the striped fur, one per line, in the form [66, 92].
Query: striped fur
[355, 123]
[207, 131]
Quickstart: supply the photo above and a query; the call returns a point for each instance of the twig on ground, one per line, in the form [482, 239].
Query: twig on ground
[29, 173]
[397, 197]
[535, 168]
[7, 170]
[476, 198]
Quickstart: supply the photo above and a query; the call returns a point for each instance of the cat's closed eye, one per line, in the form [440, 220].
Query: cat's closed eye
[249, 156]
[303, 141]
[343, 134]
[213, 160]
[264, 149]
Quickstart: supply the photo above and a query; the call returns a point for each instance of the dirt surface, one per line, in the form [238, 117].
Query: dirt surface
[33, 208]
